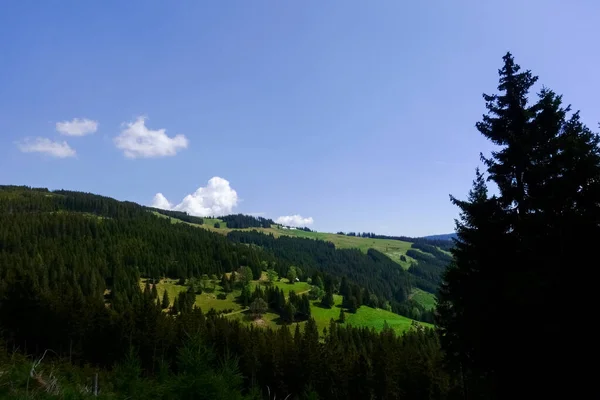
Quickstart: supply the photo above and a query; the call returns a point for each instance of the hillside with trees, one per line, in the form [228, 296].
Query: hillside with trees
[81, 315]
[72, 262]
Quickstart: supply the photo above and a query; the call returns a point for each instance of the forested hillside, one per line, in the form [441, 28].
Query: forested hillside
[72, 262]
[80, 307]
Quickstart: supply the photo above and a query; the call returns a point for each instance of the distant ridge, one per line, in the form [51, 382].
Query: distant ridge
[445, 236]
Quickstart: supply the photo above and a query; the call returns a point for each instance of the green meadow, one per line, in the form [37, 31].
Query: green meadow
[365, 316]
[424, 298]
[394, 249]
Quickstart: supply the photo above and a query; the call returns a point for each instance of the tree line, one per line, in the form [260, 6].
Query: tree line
[241, 221]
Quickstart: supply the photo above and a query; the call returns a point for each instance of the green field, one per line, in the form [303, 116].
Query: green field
[365, 316]
[424, 298]
[208, 300]
[392, 248]
[205, 301]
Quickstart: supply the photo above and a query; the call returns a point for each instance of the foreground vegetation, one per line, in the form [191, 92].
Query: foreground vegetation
[517, 250]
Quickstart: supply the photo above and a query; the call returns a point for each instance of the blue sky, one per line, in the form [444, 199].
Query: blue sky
[359, 115]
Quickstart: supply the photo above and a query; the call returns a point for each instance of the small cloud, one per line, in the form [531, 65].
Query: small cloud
[161, 201]
[294, 220]
[215, 199]
[137, 141]
[77, 127]
[46, 146]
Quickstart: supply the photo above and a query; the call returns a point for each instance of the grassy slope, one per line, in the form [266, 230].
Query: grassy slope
[365, 316]
[392, 248]
[426, 299]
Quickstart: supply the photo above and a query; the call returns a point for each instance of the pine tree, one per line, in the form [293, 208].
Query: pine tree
[305, 306]
[512, 249]
[175, 307]
[327, 300]
[245, 296]
[154, 291]
[344, 287]
[280, 300]
[342, 317]
[288, 312]
[165, 300]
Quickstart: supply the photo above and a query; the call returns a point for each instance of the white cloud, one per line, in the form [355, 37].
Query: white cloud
[294, 220]
[161, 201]
[46, 146]
[216, 198]
[77, 127]
[137, 141]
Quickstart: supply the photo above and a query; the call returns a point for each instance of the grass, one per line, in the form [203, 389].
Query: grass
[424, 298]
[208, 299]
[392, 248]
[376, 318]
[298, 287]
[365, 316]
[205, 301]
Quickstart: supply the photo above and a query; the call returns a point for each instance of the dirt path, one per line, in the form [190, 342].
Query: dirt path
[237, 312]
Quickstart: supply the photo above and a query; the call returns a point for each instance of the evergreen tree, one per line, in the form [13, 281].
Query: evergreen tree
[512, 249]
[165, 300]
[304, 308]
[327, 300]
[344, 287]
[245, 296]
[289, 311]
[342, 317]
[175, 306]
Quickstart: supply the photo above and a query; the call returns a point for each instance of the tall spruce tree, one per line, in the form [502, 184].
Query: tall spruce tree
[513, 249]
[165, 300]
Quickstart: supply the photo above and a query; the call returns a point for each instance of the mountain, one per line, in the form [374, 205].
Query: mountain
[445, 236]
